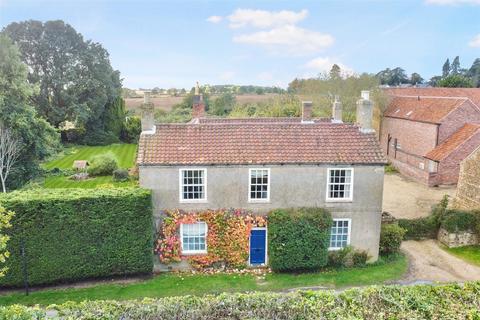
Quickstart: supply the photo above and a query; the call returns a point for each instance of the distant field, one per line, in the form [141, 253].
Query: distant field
[166, 103]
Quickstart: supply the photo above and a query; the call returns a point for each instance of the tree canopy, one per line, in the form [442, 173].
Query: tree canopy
[74, 76]
[37, 137]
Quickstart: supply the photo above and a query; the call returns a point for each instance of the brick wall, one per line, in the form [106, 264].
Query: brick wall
[468, 189]
[414, 140]
[449, 168]
[466, 113]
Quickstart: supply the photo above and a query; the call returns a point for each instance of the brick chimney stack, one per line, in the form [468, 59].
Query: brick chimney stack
[198, 104]
[337, 110]
[147, 110]
[307, 107]
[365, 112]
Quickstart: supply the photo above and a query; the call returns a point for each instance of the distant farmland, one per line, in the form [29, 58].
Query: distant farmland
[166, 103]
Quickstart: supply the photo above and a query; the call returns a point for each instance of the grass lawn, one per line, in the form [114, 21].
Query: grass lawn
[178, 284]
[125, 154]
[470, 254]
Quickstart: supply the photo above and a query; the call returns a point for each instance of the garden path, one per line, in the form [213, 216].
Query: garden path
[430, 263]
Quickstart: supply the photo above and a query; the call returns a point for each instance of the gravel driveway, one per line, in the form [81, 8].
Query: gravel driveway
[406, 198]
[429, 262]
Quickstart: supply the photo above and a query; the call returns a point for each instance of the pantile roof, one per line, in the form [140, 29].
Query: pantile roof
[274, 141]
[441, 151]
[420, 108]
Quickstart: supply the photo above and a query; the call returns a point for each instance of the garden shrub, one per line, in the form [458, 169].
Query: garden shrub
[420, 228]
[298, 239]
[425, 227]
[347, 257]
[120, 175]
[457, 221]
[103, 165]
[78, 233]
[391, 237]
[131, 130]
[448, 301]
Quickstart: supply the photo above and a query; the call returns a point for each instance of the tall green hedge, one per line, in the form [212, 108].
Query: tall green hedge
[298, 239]
[78, 233]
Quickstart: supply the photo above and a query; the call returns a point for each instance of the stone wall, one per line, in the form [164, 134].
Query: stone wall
[468, 189]
[453, 240]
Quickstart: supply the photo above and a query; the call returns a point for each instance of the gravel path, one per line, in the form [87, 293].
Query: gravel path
[405, 198]
[429, 262]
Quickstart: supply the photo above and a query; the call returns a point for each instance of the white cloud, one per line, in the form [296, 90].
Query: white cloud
[215, 19]
[475, 42]
[227, 75]
[452, 2]
[288, 39]
[265, 76]
[324, 64]
[264, 19]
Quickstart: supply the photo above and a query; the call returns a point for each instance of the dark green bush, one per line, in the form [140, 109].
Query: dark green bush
[457, 221]
[78, 233]
[131, 130]
[103, 165]
[298, 239]
[451, 301]
[420, 228]
[73, 135]
[99, 138]
[120, 175]
[347, 257]
[391, 237]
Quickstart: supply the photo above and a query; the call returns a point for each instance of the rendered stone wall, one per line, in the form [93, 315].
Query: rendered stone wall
[468, 188]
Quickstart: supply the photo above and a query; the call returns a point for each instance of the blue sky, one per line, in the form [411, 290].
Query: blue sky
[175, 43]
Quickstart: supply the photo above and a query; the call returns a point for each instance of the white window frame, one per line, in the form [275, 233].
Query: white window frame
[266, 246]
[349, 235]
[349, 199]
[250, 185]
[193, 252]
[180, 185]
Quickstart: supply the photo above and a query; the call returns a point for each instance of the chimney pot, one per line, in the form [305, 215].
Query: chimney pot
[307, 107]
[147, 111]
[198, 108]
[146, 97]
[365, 94]
[337, 110]
[365, 112]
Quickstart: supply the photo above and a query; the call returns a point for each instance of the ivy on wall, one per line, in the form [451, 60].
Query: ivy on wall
[227, 237]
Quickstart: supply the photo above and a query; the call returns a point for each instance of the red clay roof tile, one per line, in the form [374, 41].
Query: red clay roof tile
[441, 151]
[258, 142]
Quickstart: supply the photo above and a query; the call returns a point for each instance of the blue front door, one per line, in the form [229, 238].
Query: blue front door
[258, 248]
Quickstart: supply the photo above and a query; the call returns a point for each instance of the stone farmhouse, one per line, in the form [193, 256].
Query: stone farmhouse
[427, 132]
[259, 164]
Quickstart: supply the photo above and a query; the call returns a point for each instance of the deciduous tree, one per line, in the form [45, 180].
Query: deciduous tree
[38, 139]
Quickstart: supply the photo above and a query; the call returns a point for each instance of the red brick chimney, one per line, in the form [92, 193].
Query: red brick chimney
[307, 107]
[198, 104]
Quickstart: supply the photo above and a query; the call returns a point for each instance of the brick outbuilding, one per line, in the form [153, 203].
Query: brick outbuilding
[427, 132]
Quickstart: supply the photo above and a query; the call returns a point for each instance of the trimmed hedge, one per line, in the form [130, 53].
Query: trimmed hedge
[452, 301]
[456, 221]
[420, 228]
[298, 239]
[78, 233]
